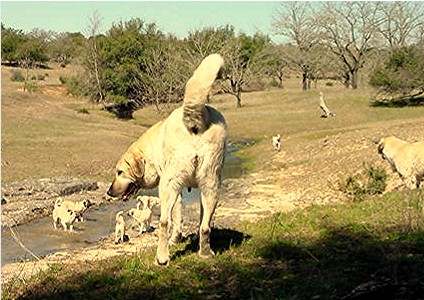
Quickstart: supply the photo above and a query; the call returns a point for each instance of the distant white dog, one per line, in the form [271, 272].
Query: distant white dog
[65, 216]
[119, 228]
[407, 159]
[327, 112]
[79, 207]
[276, 142]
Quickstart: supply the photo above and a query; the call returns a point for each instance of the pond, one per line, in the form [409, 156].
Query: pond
[41, 239]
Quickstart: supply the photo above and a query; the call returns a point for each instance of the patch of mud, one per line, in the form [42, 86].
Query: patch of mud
[30, 199]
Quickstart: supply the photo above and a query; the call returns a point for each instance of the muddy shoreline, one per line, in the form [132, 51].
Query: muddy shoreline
[233, 208]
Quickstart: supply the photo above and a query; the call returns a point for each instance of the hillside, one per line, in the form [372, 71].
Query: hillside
[45, 135]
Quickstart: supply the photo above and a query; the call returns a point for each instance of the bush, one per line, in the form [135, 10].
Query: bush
[38, 77]
[83, 111]
[73, 86]
[371, 181]
[17, 76]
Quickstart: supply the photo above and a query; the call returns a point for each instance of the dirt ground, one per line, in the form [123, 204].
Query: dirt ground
[305, 172]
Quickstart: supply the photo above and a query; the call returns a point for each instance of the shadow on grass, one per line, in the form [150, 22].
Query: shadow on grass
[399, 102]
[345, 263]
[221, 240]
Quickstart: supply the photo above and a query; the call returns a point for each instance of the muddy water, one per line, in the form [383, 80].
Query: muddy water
[41, 239]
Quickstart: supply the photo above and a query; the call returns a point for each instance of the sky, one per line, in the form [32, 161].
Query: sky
[174, 17]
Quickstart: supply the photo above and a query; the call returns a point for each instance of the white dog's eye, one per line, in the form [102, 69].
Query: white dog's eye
[119, 172]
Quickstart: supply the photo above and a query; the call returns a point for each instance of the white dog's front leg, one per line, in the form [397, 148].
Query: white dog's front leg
[168, 197]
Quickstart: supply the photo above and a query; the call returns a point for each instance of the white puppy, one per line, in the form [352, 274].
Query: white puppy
[79, 207]
[143, 218]
[65, 216]
[276, 142]
[119, 228]
[147, 201]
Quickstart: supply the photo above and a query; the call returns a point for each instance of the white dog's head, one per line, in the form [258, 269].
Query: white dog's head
[129, 172]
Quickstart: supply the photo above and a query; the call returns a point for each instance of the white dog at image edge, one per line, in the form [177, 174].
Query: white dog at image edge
[407, 159]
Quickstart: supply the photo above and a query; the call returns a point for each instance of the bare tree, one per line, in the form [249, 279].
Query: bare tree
[93, 60]
[401, 22]
[165, 75]
[274, 63]
[295, 21]
[348, 29]
[223, 40]
[237, 72]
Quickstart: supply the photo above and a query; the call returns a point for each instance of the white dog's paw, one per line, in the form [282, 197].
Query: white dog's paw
[176, 238]
[206, 254]
[162, 261]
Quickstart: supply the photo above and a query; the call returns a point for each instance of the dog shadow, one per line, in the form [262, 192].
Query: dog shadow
[222, 240]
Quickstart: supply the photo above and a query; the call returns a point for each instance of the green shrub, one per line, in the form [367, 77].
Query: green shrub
[73, 85]
[38, 77]
[17, 76]
[371, 181]
[63, 80]
[83, 111]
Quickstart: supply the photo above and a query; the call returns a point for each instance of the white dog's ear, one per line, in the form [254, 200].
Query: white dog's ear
[136, 167]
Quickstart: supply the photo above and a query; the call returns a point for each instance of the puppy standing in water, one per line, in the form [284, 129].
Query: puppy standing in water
[65, 216]
[185, 150]
[407, 159]
[79, 207]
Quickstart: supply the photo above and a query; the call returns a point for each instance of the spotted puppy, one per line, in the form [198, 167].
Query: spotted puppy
[79, 207]
[64, 216]
[276, 142]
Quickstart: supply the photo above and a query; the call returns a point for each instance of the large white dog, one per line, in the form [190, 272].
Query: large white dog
[407, 159]
[185, 150]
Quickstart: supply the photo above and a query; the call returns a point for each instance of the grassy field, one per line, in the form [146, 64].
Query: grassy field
[321, 252]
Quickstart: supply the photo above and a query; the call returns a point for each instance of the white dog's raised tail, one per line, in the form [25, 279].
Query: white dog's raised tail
[197, 90]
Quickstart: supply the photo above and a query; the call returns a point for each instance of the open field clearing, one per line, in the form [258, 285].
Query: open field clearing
[284, 230]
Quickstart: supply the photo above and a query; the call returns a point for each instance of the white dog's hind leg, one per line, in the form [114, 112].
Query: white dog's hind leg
[176, 222]
[208, 205]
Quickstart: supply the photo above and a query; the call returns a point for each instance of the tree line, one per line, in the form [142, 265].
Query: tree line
[134, 63]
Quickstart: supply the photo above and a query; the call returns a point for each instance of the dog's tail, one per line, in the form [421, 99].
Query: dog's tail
[196, 93]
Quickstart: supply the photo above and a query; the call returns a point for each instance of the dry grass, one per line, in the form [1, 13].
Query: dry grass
[44, 135]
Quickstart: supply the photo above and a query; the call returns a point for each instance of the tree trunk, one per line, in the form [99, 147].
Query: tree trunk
[354, 79]
[346, 82]
[305, 80]
[238, 96]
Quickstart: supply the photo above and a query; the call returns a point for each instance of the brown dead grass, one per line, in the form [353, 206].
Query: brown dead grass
[43, 135]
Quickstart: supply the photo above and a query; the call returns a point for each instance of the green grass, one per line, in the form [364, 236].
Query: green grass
[322, 252]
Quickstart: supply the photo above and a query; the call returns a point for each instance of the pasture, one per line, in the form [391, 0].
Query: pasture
[318, 250]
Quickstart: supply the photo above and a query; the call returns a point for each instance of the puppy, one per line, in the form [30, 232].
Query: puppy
[143, 218]
[65, 216]
[186, 149]
[119, 228]
[147, 202]
[79, 207]
[407, 159]
[276, 142]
